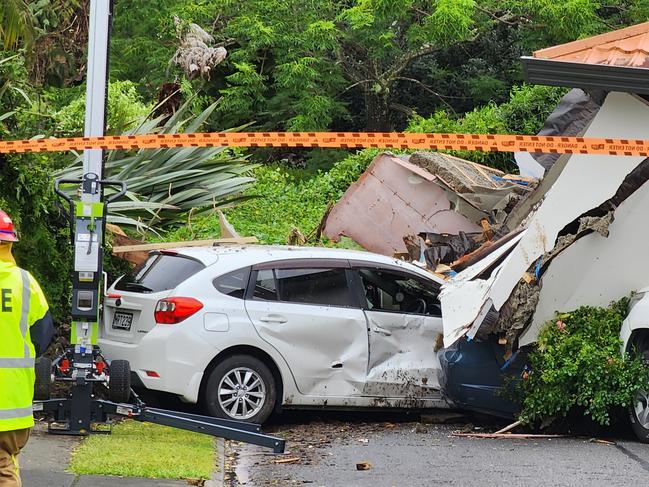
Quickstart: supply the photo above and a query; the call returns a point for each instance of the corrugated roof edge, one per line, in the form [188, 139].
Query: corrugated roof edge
[590, 42]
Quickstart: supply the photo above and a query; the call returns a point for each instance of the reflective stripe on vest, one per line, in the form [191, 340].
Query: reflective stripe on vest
[15, 413]
[24, 316]
[17, 373]
[27, 361]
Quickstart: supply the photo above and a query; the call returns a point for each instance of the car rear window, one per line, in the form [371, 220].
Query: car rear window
[160, 272]
[233, 283]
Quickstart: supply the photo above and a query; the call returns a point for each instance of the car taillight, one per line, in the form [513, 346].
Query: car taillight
[170, 311]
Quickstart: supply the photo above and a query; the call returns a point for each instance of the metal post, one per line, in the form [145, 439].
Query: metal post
[89, 212]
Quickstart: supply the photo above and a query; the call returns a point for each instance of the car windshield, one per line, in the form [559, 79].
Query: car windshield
[160, 272]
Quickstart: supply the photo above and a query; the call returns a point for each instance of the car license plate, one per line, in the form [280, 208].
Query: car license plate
[122, 321]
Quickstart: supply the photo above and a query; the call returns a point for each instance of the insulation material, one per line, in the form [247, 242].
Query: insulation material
[393, 198]
[402, 359]
[586, 182]
[463, 176]
[596, 270]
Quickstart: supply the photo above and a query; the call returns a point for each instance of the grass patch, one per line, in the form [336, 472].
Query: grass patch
[137, 449]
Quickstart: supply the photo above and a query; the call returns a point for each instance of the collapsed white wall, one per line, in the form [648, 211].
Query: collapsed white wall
[596, 270]
[585, 183]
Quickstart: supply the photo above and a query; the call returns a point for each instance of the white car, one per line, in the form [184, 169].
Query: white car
[634, 337]
[246, 330]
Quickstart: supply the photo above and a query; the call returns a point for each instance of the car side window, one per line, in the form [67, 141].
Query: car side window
[233, 283]
[327, 287]
[388, 290]
[265, 289]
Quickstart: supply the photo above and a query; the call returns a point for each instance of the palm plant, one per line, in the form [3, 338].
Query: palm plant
[16, 22]
[164, 185]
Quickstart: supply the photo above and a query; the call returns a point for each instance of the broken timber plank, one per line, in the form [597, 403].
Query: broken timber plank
[508, 428]
[190, 243]
[520, 436]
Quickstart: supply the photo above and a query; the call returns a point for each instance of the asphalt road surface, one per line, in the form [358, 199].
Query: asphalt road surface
[401, 451]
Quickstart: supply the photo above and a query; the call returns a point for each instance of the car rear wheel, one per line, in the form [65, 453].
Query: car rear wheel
[639, 410]
[241, 387]
[119, 384]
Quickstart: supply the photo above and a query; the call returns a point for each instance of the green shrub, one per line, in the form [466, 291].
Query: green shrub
[577, 366]
[524, 113]
[281, 199]
[125, 110]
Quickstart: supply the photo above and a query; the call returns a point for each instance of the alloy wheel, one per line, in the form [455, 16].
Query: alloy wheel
[241, 393]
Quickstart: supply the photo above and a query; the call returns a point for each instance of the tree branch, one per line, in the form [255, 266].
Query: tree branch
[503, 19]
[407, 60]
[428, 89]
[354, 86]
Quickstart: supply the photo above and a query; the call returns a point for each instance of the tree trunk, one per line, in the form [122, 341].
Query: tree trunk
[377, 109]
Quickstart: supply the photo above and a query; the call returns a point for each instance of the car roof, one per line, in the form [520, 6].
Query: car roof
[254, 254]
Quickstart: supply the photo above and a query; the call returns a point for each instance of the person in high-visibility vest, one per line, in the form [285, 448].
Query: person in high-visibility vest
[26, 330]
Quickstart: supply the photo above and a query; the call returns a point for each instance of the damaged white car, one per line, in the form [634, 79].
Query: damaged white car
[246, 330]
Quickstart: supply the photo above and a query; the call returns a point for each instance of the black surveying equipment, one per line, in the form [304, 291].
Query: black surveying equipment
[82, 364]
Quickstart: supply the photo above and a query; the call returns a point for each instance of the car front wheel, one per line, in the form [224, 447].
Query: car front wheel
[639, 410]
[241, 387]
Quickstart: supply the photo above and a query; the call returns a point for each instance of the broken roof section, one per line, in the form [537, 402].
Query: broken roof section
[615, 61]
[424, 192]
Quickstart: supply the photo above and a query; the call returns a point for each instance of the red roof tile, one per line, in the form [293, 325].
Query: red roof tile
[625, 47]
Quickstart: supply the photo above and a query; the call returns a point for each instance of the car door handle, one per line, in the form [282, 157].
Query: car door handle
[382, 331]
[273, 319]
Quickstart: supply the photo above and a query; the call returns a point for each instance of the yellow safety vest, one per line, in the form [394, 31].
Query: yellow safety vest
[22, 303]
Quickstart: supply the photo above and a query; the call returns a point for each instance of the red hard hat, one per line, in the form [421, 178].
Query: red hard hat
[7, 231]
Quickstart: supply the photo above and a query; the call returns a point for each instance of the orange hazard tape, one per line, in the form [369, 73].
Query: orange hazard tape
[478, 142]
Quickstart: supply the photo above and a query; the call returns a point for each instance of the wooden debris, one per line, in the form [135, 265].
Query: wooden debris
[515, 424]
[486, 229]
[287, 460]
[227, 230]
[363, 466]
[296, 237]
[528, 278]
[190, 243]
[519, 436]
[602, 442]
[198, 482]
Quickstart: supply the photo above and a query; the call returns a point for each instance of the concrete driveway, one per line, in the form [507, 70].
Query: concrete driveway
[411, 454]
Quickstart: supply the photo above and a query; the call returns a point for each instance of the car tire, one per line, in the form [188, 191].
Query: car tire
[119, 385]
[241, 387]
[43, 382]
[639, 409]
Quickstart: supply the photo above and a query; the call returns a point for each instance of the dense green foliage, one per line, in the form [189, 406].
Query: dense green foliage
[281, 200]
[524, 113]
[366, 64]
[124, 112]
[577, 366]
